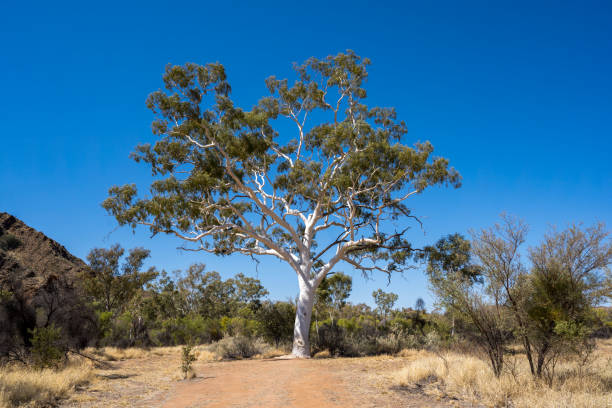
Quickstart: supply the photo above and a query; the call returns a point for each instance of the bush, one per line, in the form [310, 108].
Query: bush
[193, 329]
[239, 326]
[389, 344]
[47, 348]
[9, 242]
[239, 347]
[276, 322]
[331, 337]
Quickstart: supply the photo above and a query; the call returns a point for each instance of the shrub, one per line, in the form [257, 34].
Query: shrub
[187, 359]
[9, 242]
[234, 326]
[331, 337]
[389, 344]
[47, 348]
[276, 322]
[239, 347]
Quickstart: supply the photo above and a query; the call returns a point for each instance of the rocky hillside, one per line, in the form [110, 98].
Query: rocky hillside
[35, 257]
[39, 287]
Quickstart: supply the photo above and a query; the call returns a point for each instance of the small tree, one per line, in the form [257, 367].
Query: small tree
[333, 292]
[187, 359]
[384, 301]
[328, 193]
[549, 307]
[419, 305]
[497, 249]
[111, 285]
[567, 281]
[460, 288]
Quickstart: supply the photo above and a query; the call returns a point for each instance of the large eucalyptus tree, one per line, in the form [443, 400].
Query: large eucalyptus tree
[332, 190]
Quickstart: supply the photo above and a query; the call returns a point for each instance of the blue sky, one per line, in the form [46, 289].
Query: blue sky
[518, 95]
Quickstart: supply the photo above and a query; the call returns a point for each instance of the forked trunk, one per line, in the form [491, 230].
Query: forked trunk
[303, 314]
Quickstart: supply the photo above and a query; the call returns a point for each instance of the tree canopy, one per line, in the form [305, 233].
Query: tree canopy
[333, 190]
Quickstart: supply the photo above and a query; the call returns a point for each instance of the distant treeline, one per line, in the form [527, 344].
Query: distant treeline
[117, 302]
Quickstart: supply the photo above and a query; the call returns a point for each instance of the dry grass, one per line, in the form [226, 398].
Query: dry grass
[271, 353]
[205, 355]
[469, 378]
[322, 354]
[117, 354]
[21, 385]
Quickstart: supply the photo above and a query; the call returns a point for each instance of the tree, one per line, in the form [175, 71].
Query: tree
[462, 289]
[497, 249]
[248, 290]
[548, 306]
[567, 280]
[207, 294]
[334, 291]
[111, 285]
[419, 305]
[228, 182]
[384, 301]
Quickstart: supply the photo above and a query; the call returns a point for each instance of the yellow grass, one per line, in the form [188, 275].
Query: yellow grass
[20, 385]
[322, 354]
[206, 355]
[271, 353]
[116, 354]
[469, 378]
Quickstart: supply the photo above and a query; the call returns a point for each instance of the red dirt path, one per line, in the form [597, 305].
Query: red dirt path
[294, 383]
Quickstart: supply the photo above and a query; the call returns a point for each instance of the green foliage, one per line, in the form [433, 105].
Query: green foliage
[187, 359]
[451, 254]
[384, 301]
[568, 279]
[276, 321]
[228, 182]
[112, 286]
[48, 350]
[193, 329]
[549, 308]
[333, 291]
[199, 126]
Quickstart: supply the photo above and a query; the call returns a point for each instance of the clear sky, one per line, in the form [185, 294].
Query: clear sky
[518, 95]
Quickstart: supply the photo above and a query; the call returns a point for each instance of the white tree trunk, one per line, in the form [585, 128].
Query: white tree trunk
[303, 314]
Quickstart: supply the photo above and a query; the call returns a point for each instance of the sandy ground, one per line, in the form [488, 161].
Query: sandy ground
[274, 383]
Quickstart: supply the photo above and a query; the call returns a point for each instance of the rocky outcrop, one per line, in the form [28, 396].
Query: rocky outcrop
[39, 286]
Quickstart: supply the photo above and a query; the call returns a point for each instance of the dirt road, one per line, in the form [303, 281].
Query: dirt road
[293, 383]
[268, 383]
[152, 382]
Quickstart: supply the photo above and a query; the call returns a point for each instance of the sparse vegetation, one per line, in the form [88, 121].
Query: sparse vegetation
[22, 385]
[239, 347]
[467, 377]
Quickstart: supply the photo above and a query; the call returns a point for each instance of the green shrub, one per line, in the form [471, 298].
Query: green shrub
[239, 326]
[332, 337]
[276, 322]
[47, 349]
[187, 359]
